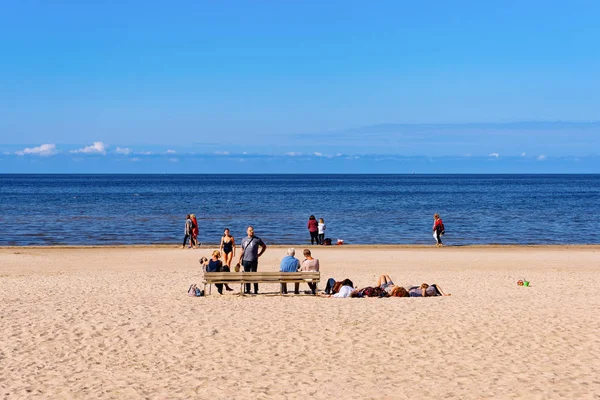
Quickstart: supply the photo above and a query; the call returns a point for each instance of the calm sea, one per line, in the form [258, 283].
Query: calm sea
[147, 209]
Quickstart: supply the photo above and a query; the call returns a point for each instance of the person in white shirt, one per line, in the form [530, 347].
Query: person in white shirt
[345, 290]
[321, 227]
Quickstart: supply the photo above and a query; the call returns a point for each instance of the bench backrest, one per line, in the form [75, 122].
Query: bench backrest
[223, 277]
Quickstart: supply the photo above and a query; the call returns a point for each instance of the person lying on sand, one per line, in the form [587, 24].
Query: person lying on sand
[386, 284]
[334, 286]
[426, 290]
[345, 289]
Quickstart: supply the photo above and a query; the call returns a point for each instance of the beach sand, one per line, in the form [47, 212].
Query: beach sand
[116, 323]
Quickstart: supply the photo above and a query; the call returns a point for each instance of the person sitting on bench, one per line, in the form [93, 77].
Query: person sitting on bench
[289, 263]
[215, 265]
[310, 264]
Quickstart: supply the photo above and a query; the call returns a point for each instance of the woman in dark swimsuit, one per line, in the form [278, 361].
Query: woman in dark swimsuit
[227, 247]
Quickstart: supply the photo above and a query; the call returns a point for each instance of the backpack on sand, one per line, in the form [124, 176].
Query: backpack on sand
[194, 291]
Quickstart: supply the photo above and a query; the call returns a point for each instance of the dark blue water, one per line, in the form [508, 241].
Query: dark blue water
[147, 209]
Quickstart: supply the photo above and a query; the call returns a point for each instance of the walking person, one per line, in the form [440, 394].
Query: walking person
[187, 230]
[322, 228]
[227, 247]
[313, 229]
[194, 238]
[250, 255]
[438, 229]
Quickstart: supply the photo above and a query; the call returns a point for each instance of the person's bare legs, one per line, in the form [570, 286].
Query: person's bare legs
[228, 258]
[383, 279]
[439, 289]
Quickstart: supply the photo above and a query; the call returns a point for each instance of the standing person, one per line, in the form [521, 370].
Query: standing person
[322, 228]
[187, 230]
[227, 247]
[313, 229]
[250, 254]
[289, 263]
[438, 229]
[309, 264]
[194, 238]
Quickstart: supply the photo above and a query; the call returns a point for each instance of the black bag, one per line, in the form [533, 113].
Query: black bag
[327, 241]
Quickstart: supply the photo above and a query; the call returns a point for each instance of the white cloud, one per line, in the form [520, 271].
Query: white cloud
[145, 153]
[123, 150]
[174, 160]
[523, 154]
[495, 155]
[171, 151]
[293, 154]
[316, 153]
[43, 150]
[339, 155]
[541, 157]
[96, 148]
[135, 159]
[222, 153]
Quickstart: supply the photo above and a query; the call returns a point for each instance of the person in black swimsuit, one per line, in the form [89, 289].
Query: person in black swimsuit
[227, 247]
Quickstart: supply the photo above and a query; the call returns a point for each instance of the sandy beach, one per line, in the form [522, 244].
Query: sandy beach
[116, 323]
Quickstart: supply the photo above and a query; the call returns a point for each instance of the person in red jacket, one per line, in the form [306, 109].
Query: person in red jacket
[194, 238]
[438, 229]
[313, 229]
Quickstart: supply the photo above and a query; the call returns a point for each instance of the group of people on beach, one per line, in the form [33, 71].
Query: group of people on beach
[340, 289]
[385, 288]
[315, 228]
[191, 231]
[252, 247]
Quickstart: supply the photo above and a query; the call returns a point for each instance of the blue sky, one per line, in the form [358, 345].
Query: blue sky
[337, 86]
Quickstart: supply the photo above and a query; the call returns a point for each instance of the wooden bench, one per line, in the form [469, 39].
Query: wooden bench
[259, 277]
